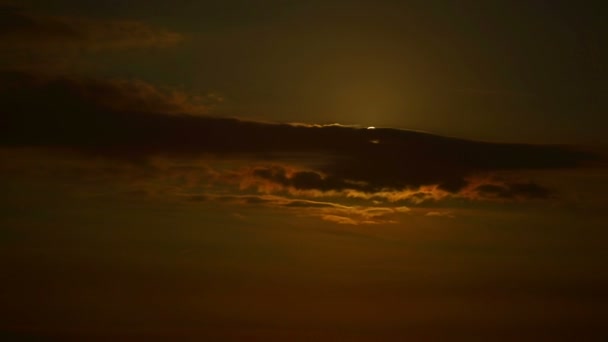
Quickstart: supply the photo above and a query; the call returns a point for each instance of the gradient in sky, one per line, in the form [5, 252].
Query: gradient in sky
[303, 170]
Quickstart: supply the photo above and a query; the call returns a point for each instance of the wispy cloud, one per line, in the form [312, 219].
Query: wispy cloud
[328, 211]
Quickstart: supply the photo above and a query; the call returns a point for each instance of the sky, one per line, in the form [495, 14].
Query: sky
[303, 170]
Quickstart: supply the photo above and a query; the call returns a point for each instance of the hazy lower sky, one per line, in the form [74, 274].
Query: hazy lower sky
[303, 170]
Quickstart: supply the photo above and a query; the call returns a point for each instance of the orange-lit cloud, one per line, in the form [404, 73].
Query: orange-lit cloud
[206, 181]
[328, 211]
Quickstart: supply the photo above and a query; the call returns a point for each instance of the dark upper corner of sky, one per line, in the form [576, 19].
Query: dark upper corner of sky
[413, 64]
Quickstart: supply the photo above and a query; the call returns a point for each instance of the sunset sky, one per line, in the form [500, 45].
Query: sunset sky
[267, 170]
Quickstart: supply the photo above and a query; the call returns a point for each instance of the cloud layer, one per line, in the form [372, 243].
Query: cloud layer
[135, 120]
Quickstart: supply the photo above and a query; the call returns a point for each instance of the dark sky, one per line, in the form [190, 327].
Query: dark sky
[303, 170]
[530, 71]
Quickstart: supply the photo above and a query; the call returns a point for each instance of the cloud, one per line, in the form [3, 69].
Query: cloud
[339, 219]
[65, 44]
[311, 204]
[304, 180]
[528, 190]
[89, 113]
[328, 211]
[357, 214]
[131, 120]
[447, 214]
[22, 29]
[134, 95]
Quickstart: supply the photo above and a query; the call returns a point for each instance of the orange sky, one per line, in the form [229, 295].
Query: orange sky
[204, 171]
